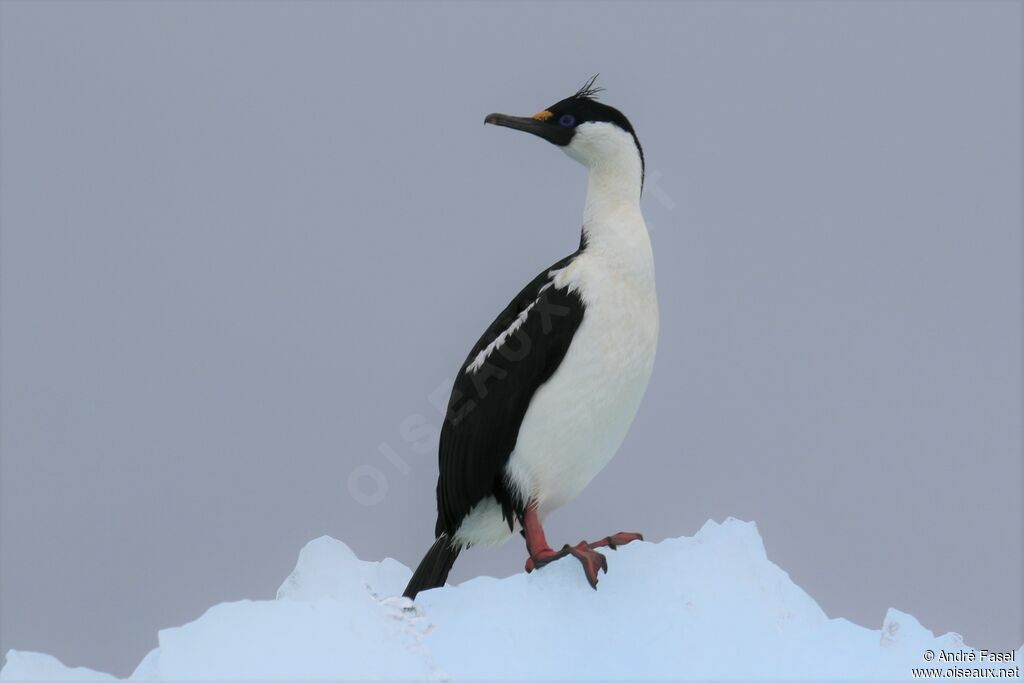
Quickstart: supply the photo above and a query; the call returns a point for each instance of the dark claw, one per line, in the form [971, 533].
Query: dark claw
[593, 562]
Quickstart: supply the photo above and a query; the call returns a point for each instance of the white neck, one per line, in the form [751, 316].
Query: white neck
[613, 188]
[613, 224]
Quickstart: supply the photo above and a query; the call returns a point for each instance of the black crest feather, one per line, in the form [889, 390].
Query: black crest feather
[589, 91]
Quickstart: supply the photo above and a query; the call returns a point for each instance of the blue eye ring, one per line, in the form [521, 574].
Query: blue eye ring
[567, 120]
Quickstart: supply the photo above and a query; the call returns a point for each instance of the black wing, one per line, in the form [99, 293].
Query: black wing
[487, 405]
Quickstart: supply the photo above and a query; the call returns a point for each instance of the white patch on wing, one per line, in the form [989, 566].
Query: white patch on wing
[499, 341]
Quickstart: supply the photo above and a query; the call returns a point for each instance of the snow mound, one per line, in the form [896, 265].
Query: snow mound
[710, 607]
[33, 666]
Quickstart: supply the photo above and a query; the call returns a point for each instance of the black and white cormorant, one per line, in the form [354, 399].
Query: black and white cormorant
[546, 396]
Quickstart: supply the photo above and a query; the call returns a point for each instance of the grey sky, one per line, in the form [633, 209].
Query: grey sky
[244, 244]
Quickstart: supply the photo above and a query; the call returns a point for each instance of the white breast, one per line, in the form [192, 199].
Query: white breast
[578, 419]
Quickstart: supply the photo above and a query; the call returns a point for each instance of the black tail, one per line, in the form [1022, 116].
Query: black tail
[434, 567]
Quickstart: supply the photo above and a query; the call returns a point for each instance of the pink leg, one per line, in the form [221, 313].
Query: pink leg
[542, 554]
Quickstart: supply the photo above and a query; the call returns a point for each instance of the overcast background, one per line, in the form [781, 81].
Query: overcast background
[246, 246]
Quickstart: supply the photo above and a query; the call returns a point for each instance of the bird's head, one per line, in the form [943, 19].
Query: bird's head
[589, 131]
